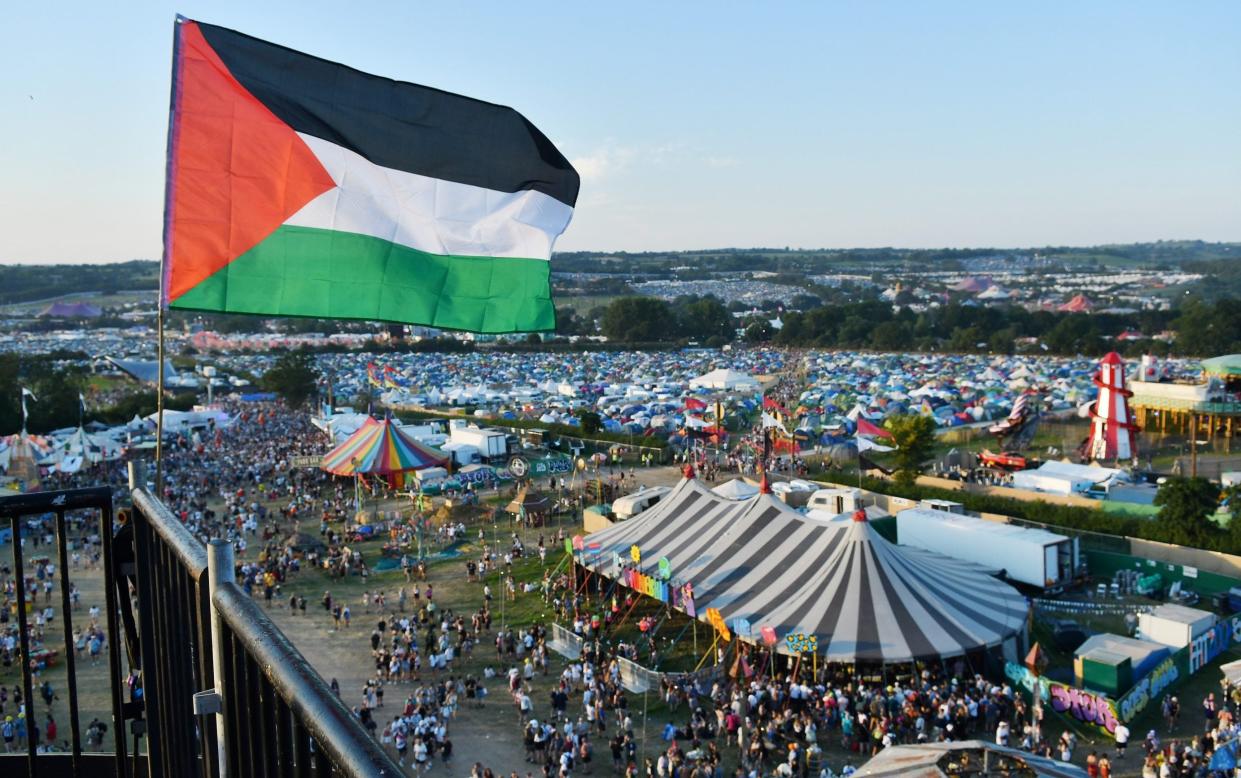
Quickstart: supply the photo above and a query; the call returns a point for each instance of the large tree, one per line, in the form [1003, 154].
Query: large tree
[590, 421]
[706, 318]
[914, 438]
[638, 320]
[1185, 506]
[293, 377]
[56, 391]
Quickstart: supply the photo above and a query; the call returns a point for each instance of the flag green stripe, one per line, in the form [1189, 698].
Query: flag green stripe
[305, 271]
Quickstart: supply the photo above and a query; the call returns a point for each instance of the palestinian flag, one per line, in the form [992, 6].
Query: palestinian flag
[864, 427]
[300, 187]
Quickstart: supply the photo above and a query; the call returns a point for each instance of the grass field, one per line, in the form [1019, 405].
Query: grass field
[582, 304]
[119, 299]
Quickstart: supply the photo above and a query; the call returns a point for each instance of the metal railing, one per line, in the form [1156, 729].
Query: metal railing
[20, 512]
[204, 650]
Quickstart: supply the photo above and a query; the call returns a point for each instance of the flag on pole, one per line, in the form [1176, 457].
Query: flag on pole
[866, 444]
[301, 187]
[864, 427]
[26, 393]
[769, 403]
[771, 422]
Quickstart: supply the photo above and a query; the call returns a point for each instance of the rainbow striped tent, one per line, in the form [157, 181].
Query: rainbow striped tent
[380, 448]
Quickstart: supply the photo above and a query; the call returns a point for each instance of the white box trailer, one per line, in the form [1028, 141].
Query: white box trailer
[1052, 483]
[1174, 625]
[427, 434]
[1029, 556]
[462, 453]
[491, 444]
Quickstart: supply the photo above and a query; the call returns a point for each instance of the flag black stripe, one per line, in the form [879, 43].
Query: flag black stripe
[396, 124]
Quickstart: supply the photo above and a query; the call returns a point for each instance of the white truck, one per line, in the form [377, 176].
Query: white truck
[1030, 556]
[491, 444]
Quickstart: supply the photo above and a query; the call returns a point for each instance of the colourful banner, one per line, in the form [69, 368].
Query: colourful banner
[645, 584]
[717, 621]
[769, 635]
[799, 642]
[1086, 707]
[1103, 712]
[1156, 682]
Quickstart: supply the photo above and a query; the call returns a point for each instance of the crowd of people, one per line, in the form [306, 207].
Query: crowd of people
[40, 584]
[748, 715]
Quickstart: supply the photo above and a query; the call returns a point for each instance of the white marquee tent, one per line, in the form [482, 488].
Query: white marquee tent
[863, 597]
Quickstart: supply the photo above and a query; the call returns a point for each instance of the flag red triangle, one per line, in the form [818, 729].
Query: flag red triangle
[864, 427]
[236, 171]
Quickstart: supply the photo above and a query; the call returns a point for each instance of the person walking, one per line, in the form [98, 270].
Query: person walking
[1208, 712]
[1122, 739]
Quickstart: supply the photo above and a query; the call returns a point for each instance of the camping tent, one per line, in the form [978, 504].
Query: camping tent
[862, 597]
[736, 489]
[90, 449]
[725, 379]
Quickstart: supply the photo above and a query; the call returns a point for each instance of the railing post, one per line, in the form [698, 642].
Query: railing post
[219, 571]
[137, 474]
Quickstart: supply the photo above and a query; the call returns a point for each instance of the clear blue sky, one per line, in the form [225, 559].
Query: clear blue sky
[698, 124]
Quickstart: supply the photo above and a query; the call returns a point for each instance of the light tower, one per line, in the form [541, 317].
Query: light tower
[1112, 431]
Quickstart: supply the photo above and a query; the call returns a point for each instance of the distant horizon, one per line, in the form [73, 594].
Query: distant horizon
[708, 250]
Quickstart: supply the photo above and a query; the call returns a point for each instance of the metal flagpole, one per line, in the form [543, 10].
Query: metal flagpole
[164, 283]
[159, 393]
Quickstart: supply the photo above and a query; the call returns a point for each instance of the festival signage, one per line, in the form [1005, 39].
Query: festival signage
[799, 642]
[769, 636]
[665, 568]
[717, 621]
[1212, 643]
[550, 466]
[683, 598]
[635, 554]
[477, 475]
[520, 467]
[1085, 706]
[1150, 687]
[568, 545]
[578, 542]
[1099, 710]
[742, 627]
[645, 584]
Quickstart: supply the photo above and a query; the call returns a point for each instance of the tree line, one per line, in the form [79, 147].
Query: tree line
[57, 386]
[1201, 328]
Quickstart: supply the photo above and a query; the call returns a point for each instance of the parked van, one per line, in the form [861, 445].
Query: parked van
[632, 504]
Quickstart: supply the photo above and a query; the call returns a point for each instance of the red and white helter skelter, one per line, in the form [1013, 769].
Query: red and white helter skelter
[1112, 433]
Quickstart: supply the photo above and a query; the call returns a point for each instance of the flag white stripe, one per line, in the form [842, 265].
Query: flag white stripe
[428, 214]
